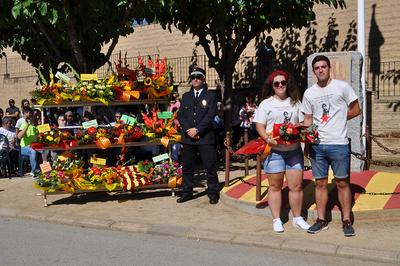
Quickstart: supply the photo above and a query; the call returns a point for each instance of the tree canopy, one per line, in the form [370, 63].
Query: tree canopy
[73, 31]
[224, 28]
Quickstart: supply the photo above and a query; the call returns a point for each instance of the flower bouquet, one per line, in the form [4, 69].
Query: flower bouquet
[283, 134]
[154, 80]
[286, 133]
[127, 133]
[165, 129]
[87, 136]
[95, 91]
[168, 173]
[66, 175]
[136, 176]
[52, 138]
[103, 176]
[309, 134]
[103, 137]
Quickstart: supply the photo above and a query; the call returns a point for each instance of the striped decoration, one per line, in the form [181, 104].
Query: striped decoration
[368, 181]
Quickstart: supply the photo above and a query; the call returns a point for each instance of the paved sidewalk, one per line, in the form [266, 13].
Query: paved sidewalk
[156, 212]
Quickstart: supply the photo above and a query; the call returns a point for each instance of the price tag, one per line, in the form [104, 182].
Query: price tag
[89, 77]
[98, 161]
[43, 128]
[45, 167]
[62, 77]
[160, 157]
[164, 115]
[128, 120]
[91, 123]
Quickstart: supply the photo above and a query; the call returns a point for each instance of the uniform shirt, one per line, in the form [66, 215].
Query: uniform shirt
[274, 111]
[328, 106]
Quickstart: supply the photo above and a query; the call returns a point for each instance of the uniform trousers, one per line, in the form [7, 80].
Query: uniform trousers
[207, 154]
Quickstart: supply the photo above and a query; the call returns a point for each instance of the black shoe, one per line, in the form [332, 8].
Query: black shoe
[184, 198]
[348, 229]
[320, 225]
[213, 200]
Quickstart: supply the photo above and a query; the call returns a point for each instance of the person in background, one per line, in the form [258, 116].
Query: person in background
[87, 116]
[246, 114]
[117, 117]
[61, 121]
[219, 129]
[1, 114]
[329, 104]
[285, 160]
[8, 131]
[174, 105]
[70, 121]
[26, 115]
[33, 101]
[27, 134]
[12, 111]
[25, 103]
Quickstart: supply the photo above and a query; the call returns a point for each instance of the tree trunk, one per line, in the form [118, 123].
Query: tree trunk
[227, 89]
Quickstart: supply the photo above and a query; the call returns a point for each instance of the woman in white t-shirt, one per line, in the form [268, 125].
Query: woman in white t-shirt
[281, 104]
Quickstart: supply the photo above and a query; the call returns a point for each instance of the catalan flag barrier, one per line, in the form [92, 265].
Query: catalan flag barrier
[371, 190]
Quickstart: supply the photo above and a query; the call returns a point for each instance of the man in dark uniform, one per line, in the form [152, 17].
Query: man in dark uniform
[196, 113]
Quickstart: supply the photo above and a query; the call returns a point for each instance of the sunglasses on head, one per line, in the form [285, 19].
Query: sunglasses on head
[283, 83]
[197, 76]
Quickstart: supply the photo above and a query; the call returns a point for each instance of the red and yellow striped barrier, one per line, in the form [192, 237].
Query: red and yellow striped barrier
[372, 190]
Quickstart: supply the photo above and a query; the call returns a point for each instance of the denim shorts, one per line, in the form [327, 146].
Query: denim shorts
[337, 156]
[280, 161]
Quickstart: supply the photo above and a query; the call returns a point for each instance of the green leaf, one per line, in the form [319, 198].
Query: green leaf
[27, 3]
[54, 16]
[41, 77]
[73, 71]
[43, 8]
[16, 10]
[122, 3]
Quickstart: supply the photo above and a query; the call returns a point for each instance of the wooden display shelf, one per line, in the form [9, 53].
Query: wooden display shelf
[113, 103]
[79, 191]
[93, 146]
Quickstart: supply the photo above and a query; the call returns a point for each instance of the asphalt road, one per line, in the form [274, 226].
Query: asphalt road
[25, 242]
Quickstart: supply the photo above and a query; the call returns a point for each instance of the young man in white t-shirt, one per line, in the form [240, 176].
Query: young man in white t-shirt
[329, 104]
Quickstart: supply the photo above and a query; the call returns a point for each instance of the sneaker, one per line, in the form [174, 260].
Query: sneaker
[299, 222]
[348, 229]
[277, 225]
[320, 225]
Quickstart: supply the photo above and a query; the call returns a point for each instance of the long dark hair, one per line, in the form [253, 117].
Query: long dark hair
[292, 90]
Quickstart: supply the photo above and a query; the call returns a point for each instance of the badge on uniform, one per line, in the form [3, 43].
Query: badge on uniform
[204, 103]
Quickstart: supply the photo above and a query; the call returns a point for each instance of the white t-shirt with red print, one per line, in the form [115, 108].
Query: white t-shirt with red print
[329, 106]
[275, 111]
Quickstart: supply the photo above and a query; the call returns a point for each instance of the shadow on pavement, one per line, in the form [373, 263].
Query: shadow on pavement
[309, 200]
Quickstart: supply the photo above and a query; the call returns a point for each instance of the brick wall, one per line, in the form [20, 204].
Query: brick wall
[382, 44]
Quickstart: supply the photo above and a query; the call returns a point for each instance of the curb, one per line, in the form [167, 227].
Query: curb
[259, 240]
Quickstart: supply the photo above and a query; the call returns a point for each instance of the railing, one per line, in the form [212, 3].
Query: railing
[384, 79]
[244, 75]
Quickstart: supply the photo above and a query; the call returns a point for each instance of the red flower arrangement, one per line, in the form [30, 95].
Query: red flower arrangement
[127, 133]
[283, 134]
[290, 133]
